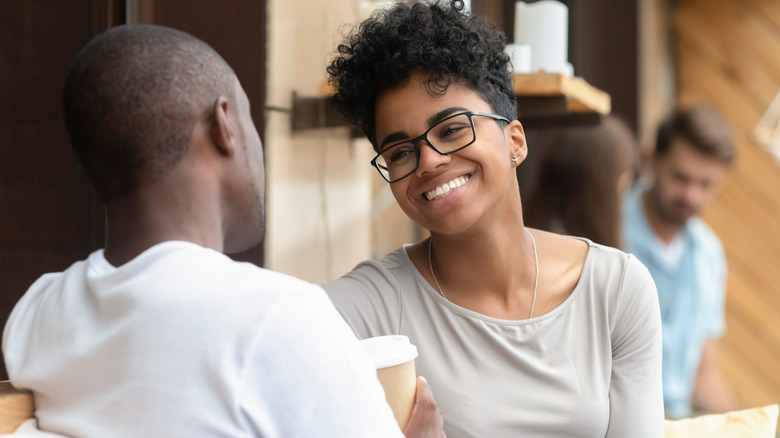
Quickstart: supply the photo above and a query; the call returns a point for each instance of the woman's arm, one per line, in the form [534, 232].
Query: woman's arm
[636, 394]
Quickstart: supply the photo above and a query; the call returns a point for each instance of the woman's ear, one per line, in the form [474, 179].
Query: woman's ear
[223, 127]
[518, 148]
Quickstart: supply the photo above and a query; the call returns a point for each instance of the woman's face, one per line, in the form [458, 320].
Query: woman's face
[478, 178]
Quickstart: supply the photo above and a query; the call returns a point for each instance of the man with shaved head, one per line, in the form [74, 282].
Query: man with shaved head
[159, 334]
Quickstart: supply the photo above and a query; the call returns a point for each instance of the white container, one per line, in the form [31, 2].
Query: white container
[368, 7]
[519, 57]
[544, 26]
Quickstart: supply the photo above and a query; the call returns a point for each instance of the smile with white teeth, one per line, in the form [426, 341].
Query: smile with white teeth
[444, 189]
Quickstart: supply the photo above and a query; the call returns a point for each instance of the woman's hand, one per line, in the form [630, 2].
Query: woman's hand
[426, 420]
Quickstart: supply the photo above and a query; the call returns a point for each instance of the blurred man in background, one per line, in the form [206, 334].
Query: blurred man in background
[694, 148]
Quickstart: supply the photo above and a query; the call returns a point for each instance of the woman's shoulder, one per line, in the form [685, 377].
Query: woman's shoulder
[612, 269]
[369, 296]
[566, 250]
[393, 265]
[579, 264]
[609, 261]
[376, 279]
[619, 280]
[580, 253]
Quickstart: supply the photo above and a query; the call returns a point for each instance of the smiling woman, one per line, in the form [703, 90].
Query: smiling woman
[486, 145]
[520, 332]
[448, 135]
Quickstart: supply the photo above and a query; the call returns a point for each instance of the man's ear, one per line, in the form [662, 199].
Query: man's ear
[223, 128]
[517, 144]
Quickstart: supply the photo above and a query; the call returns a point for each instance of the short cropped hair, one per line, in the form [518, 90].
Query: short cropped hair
[416, 36]
[132, 98]
[703, 128]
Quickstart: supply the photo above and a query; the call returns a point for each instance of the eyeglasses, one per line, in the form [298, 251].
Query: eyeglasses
[450, 135]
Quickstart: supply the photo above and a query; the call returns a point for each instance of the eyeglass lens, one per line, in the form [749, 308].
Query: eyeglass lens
[447, 136]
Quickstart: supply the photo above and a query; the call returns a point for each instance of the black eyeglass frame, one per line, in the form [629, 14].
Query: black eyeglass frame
[424, 136]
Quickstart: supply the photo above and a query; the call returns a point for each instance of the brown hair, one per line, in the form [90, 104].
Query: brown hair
[576, 190]
[703, 128]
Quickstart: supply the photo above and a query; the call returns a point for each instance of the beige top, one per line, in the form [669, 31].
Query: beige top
[589, 368]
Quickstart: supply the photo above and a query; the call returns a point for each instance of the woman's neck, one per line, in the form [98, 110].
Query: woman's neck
[490, 268]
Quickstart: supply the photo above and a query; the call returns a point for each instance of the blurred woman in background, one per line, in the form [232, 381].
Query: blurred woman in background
[581, 178]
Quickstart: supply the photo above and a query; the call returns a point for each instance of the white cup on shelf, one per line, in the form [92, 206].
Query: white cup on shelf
[544, 26]
[519, 57]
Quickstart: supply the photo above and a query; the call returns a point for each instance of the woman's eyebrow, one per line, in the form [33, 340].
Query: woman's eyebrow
[396, 136]
[443, 114]
[432, 120]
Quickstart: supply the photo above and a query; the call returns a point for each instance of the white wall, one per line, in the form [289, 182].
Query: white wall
[319, 182]
[656, 69]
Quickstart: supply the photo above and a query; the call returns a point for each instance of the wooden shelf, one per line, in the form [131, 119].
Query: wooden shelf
[582, 97]
[543, 99]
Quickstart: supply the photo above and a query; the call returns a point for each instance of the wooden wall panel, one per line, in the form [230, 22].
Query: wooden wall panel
[49, 217]
[727, 53]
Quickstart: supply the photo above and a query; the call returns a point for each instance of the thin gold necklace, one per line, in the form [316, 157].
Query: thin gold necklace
[536, 262]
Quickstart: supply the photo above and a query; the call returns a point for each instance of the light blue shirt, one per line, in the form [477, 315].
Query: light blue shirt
[691, 294]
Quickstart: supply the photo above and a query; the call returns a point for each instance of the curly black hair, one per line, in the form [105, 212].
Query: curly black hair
[434, 37]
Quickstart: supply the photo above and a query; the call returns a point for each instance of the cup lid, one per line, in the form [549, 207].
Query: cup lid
[388, 351]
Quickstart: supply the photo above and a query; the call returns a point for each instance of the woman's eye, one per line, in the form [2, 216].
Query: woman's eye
[401, 153]
[452, 130]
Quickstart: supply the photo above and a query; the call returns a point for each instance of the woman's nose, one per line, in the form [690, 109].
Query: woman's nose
[430, 159]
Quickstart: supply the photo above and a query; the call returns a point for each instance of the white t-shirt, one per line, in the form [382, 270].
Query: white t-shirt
[183, 342]
[589, 368]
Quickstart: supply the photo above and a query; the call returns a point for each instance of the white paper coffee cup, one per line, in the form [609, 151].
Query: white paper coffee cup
[393, 357]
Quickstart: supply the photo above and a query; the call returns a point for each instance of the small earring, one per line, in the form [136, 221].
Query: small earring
[515, 159]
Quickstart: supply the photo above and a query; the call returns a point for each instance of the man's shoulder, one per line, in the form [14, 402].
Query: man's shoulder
[51, 283]
[700, 228]
[244, 290]
[636, 230]
[171, 278]
[45, 281]
[633, 211]
[703, 235]
[211, 268]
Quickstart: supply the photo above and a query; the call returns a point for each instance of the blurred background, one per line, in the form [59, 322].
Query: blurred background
[326, 208]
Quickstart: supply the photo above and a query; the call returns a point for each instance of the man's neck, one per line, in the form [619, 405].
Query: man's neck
[665, 231]
[137, 223]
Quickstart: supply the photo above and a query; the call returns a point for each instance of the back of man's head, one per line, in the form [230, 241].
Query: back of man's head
[132, 98]
[702, 128]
